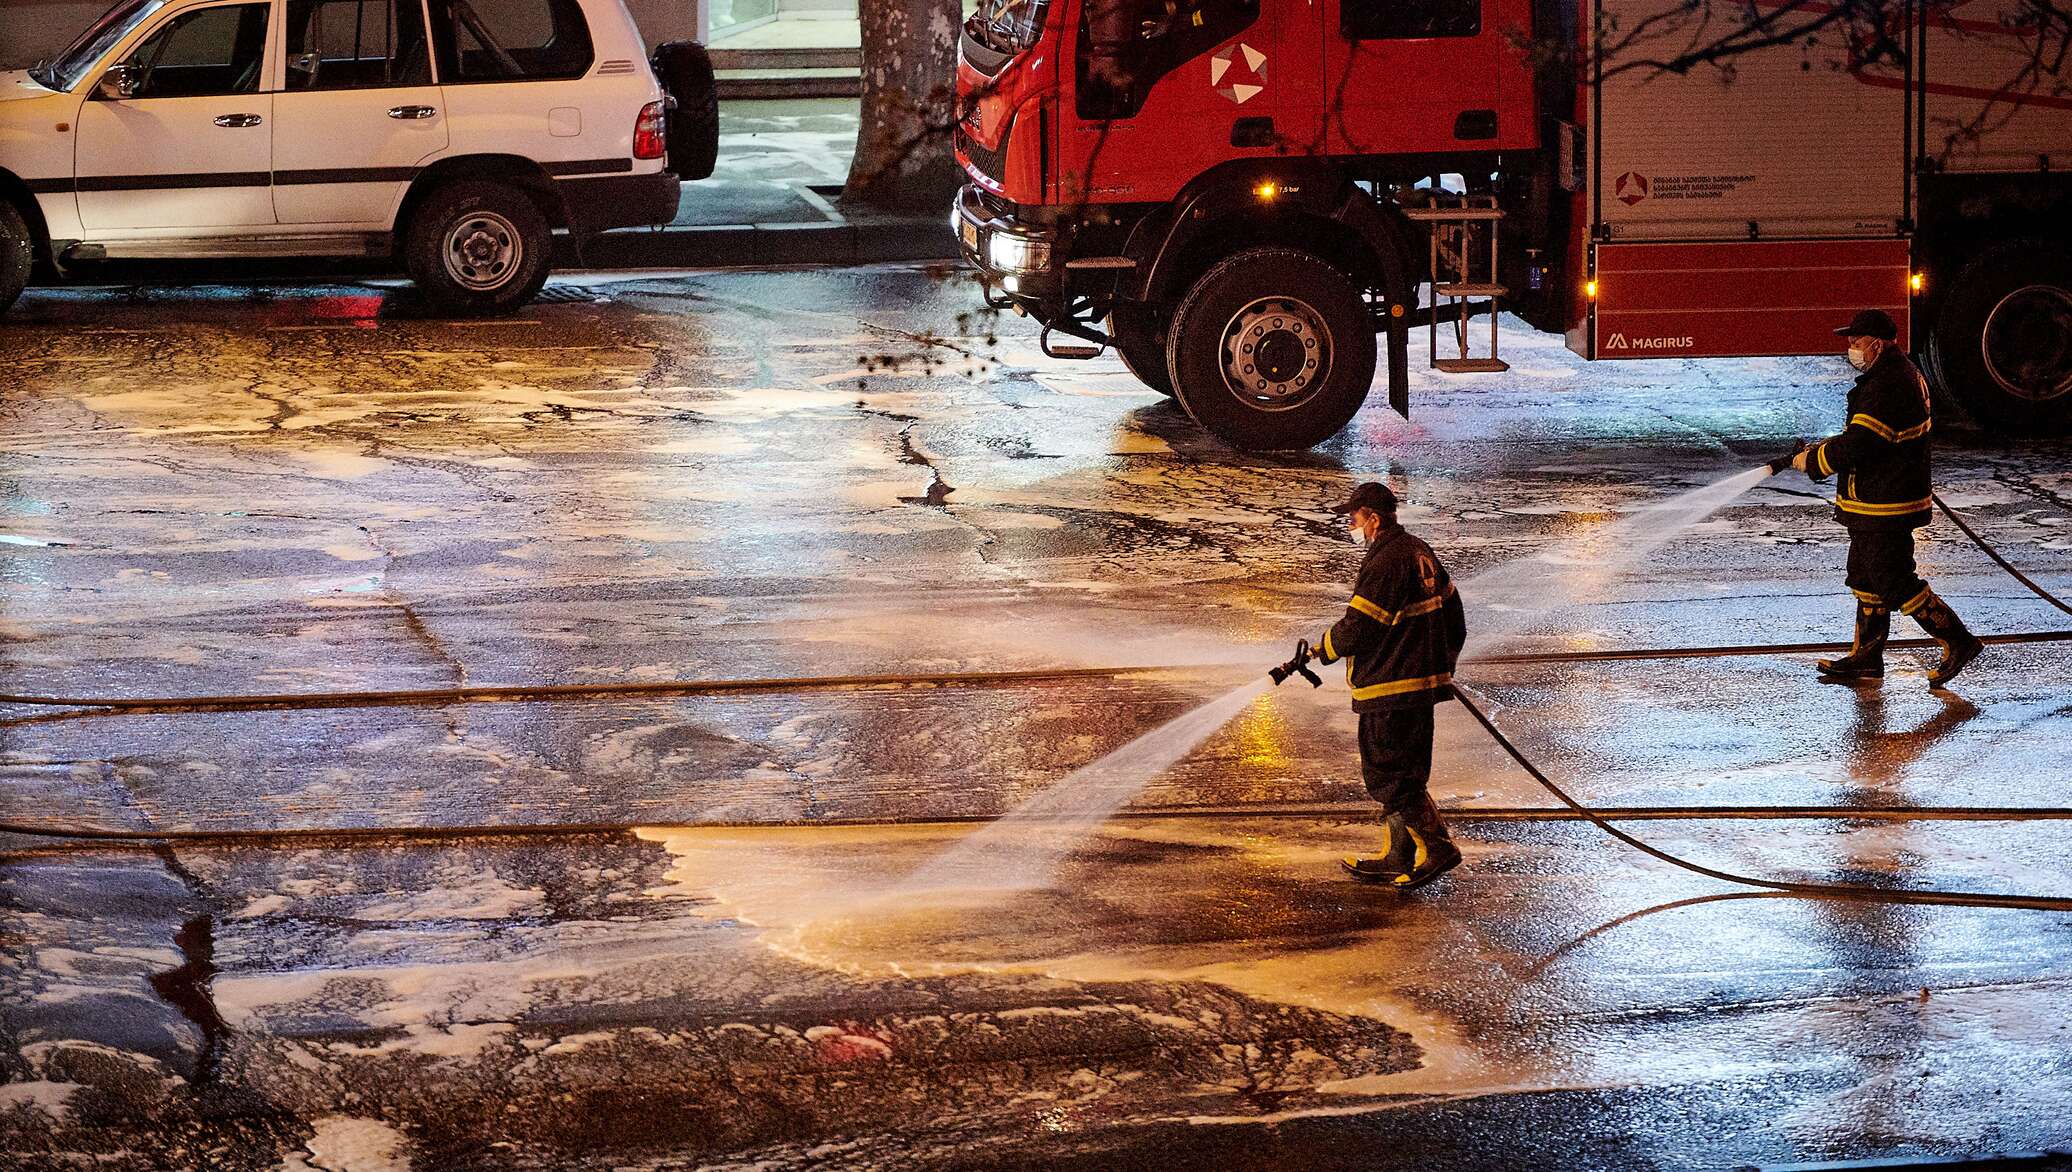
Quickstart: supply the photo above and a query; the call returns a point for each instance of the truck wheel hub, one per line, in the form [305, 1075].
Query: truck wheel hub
[483, 250]
[2027, 342]
[1276, 352]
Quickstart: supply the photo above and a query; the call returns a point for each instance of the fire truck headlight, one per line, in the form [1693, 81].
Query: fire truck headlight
[1017, 254]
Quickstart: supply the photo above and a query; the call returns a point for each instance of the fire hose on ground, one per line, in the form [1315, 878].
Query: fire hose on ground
[1602, 819]
[1848, 891]
[1845, 891]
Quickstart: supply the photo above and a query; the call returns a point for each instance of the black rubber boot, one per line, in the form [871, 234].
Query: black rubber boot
[1866, 658]
[1416, 850]
[1436, 853]
[1398, 854]
[1959, 645]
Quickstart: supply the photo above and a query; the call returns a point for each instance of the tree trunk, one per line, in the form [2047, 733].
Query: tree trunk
[903, 159]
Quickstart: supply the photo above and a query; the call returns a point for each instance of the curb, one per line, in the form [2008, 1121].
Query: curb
[721, 245]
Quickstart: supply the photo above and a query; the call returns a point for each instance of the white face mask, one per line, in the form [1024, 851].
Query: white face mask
[1358, 535]
[1859, 358]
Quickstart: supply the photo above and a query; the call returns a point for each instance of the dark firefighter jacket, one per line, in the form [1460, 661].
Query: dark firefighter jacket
[1882, 455]
[1402, 629]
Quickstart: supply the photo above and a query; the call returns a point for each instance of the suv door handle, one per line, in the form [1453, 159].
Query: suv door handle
[412, 111]
[238, 119]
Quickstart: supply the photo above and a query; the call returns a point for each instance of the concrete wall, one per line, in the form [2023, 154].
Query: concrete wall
[30, 29]
[660, 20]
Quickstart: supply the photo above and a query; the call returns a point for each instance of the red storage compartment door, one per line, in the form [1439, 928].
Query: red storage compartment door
[1741, 298]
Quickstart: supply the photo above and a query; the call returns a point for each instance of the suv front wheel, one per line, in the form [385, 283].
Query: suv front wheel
[478, 247]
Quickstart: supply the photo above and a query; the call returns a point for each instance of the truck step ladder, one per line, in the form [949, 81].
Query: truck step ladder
[1452, 220]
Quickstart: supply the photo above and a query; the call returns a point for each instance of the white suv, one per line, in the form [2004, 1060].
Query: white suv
[455, 134]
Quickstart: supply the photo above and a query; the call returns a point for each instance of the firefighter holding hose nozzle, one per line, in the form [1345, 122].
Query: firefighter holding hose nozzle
[1402, 632]
[1883, 495]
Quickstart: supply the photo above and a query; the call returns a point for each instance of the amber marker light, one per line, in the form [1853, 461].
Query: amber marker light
[1917, 281]
[1267, 190]
[1590, 288]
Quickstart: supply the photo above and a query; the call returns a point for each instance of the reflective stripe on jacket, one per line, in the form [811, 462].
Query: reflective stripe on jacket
[1882, 455]
[1402, 629]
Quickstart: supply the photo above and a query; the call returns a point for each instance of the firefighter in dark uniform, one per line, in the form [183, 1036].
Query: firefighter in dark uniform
[1882, 496]
[1399, 638]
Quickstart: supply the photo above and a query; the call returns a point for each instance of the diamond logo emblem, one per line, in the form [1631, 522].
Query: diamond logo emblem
[1238, 72]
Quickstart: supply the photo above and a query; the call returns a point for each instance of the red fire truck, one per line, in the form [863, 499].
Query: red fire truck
[1239, 196]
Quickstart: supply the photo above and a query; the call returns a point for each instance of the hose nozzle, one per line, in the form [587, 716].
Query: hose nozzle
[1297, 665]
[1784, 461]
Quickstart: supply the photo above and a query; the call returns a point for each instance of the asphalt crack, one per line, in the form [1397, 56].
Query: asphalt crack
[2027, 486]
[938, 494]
[186, 987]
[412, 621]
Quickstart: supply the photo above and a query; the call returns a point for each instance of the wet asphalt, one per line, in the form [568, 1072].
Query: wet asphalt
[744, 475]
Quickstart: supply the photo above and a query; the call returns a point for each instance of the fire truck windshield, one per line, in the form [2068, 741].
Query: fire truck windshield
[1008, 26]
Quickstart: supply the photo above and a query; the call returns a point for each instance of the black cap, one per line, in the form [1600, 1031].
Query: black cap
[1369, 496]
[1871, 323]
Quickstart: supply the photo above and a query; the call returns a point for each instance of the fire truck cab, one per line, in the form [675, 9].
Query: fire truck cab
[1255, 202]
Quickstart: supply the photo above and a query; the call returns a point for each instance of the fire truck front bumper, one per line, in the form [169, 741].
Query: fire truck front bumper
[1015, 258]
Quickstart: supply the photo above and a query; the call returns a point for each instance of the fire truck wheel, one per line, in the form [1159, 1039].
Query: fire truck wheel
[1139, 337]
[1272, 349]
[2002, 340]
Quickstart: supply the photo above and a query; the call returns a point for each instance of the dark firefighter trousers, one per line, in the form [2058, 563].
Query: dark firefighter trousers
[1396, 756]
[1881, 567]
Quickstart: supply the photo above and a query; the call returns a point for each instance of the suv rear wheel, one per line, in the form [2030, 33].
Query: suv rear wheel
[17, 254]
[477, 246]
[1272, 349]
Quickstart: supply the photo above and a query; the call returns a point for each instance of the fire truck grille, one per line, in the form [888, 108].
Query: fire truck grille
[991, 163]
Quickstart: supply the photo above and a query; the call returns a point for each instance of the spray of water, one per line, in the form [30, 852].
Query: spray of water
[1021, 850]
[1512, 597]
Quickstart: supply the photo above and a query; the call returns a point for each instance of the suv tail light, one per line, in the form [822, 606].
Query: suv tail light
[651, 132]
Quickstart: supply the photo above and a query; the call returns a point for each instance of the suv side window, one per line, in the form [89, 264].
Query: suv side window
[510, 40]
[1389, 20]
[356, 44]
[1126, 46]
[203, 53]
